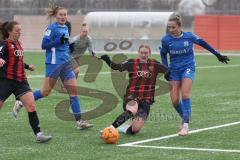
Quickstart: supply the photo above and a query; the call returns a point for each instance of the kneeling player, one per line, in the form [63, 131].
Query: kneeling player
[140, 90]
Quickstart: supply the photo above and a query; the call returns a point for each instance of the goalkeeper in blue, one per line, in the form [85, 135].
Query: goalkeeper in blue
[58, 64]
[179, 46]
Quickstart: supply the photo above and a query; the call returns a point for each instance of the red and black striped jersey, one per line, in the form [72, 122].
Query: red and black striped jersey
[142, 77]
[12, 53]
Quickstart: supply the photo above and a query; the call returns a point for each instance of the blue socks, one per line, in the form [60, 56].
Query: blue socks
[37, 95]
[75, 105]
[178, 108]
[186, 109]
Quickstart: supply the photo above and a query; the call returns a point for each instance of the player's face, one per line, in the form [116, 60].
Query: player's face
[144, 53]
[61, 16]
[173, 28]
[83, 32]
[15, 33]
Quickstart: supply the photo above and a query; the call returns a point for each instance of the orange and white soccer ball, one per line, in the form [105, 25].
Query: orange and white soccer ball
[110, 135]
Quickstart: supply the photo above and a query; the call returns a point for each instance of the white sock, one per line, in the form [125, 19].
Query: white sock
[39, 134]
[185, 125]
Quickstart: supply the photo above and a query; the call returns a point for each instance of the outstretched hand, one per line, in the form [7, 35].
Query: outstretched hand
[167, 76]
[223, 59]
[2, 62]
[105, 57]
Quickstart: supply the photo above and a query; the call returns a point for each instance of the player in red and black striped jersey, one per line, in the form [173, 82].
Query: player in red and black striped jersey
[140, 90]
[13, 78]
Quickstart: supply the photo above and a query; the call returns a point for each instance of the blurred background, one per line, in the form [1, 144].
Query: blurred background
[121, 25]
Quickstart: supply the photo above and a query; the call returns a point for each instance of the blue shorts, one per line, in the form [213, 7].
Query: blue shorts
[64, 71]
[177, 75]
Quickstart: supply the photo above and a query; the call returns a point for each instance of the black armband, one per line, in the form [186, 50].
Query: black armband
[26, 66]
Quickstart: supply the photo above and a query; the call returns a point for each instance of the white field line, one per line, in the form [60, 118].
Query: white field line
[224, 66]
[188, 149]
[175, 135]
[105, 73]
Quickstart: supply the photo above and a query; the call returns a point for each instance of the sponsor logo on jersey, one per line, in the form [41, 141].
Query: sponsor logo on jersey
[174, 52]
[18, 53]
[186, 43]
[145, 74]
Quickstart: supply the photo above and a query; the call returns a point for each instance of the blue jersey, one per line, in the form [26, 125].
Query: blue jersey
[56, 53]
[181, 50]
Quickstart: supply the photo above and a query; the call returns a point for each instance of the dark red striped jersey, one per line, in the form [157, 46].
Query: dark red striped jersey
[12, 53]
[142, 77]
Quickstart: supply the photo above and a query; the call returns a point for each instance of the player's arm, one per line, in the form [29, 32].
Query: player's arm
[72, 43]
[204, 44]
[163, 53]
[160, 68]
[2, 52]
[90, 46]
[48, 42]
[29, 67]
[115, 66]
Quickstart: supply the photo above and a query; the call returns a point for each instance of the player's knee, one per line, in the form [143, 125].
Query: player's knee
[133, 130]
[136, 130]
[30, 107]
[1, 104]
[45, 93]
[132, 106]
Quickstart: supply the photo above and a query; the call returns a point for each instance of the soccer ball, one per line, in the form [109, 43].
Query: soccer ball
[110, 135]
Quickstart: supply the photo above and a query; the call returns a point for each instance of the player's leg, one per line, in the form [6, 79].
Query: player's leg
[47, 87]
[70, 83]
[48, 84]
[186, 104]
[51, 76]
[1, 104]
[52, 73]
[130, 110]
[17, 107]
[5, 91]
[77, 71]
[28, 101]
[175, 96]
[186, 85]
[23, 92]
[75, 65]
[140, 118]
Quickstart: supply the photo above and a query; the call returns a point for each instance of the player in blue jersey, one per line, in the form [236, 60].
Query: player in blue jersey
[179, 46]
[58, 63]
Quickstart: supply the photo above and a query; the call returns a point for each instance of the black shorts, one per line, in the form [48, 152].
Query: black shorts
[8, 87]
[143, 107]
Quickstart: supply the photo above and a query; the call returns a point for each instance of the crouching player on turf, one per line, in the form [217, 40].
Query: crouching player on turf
[179, 46]
[13, 78]
[140, 90]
